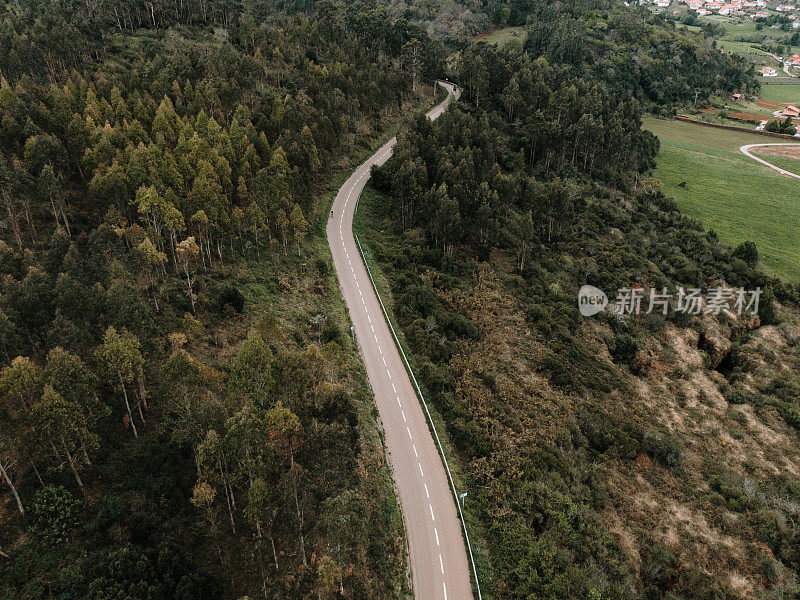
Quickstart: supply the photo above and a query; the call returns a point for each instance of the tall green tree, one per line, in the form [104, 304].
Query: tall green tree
[122, 361]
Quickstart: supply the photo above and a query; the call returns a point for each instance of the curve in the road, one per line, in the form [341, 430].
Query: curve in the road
[437, 555]
[746, 151]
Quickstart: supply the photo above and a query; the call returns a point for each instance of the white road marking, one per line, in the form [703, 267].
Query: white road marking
[436, 531]
[431, 507]
[379, 350]
[415, 450]
[420, 469]
[399, 403]
[427, 495]
[384, 361]
[444, 587]
[441, 564]
[402, 412]
[409, 433]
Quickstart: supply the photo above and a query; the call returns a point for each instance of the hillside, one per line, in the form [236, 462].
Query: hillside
[183, 409]
[647, 455]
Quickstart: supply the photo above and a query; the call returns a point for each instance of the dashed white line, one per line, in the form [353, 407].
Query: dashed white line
[409, 435]
[388, 373]
[384, 360]
[444, 587]
[399, 403]
[394, 389]
[402, 412]
[441, 564]
[436, 531]
[420, 469]
[415, 450]
[426, 491]
[433, 518]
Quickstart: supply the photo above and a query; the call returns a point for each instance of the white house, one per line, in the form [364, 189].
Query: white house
[768, 72]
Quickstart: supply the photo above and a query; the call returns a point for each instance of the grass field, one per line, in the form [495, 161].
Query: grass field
[743, 48]
[781, 92]
[499, 37]
[740, 199]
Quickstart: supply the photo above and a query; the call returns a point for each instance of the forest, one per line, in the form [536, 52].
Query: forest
[182, 411]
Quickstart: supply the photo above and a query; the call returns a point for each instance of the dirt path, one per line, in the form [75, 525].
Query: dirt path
[746, 151]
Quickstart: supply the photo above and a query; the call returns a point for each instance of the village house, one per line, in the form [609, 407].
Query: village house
[768, 72]
[790, 111]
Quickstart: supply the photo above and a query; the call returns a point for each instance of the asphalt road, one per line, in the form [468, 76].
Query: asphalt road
[438, 557]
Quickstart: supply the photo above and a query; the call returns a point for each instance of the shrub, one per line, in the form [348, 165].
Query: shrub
[54, 513]
[229, 295]
[766, 309]
[666, 451]
[625, 348]
[658, 567]
[748, 252]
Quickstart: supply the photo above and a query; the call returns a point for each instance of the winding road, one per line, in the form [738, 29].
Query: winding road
[437, 552]
[746, 151]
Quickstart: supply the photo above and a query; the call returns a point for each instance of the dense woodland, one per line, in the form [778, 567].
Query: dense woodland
[182, 413]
